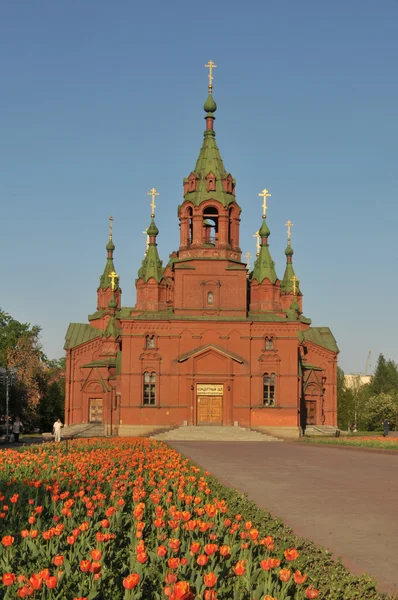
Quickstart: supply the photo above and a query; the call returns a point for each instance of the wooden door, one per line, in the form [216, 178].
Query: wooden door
[95, 410]
[209, 410]
[310, 407]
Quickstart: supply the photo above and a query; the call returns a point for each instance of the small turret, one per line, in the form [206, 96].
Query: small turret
[105, 286]
[150, 285]
[264, 285]
[290, 284]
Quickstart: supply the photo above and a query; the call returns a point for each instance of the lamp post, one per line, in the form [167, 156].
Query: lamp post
[7, 376]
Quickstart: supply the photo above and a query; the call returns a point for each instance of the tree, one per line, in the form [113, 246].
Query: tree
[382, 406]
[39, 394]
[344, 401]
[52, 399]
[385, 378]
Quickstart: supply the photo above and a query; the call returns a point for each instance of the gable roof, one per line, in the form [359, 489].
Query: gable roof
[202, 349]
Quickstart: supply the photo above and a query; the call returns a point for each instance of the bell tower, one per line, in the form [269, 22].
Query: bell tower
[209, 255]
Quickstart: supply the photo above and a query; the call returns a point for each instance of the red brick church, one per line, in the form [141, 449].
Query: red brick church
[209, 341]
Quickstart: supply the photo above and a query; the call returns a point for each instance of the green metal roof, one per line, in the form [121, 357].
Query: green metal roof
[210, 161]
[151, 266]
[109, 362]
[264, 267]
[105, 282]
[79, 333]
[321, 336]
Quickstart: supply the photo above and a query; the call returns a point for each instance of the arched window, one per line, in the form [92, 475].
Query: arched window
[190, 226]
[149, 394]
[210, 221]
[150, 341]
[269, 343]
[269, 389]
[210, 298]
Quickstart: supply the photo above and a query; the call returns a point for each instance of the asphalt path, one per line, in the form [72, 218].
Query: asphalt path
[343, 500]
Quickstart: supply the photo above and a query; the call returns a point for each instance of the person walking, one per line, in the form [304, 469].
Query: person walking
[57, 430]
[16, 429]
[385, 424]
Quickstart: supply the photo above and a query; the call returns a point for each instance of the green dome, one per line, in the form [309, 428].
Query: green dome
[152, 229]
[210, 105]
[264, 231]
[110, 246]
[289, 250]
[112, 302]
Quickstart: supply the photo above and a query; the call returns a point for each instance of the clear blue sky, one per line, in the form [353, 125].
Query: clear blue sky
[102, 100]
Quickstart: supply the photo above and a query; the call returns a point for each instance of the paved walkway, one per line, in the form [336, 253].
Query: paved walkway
[344, 500]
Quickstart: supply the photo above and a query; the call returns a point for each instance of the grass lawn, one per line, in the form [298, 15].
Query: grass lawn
[355, 440]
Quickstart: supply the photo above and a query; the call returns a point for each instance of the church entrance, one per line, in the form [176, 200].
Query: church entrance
[95, 410]
[310, 409]
[209, 403]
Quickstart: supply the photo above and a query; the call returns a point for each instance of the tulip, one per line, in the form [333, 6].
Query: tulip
[51, 582]
[173, 562]
[96, 554]
[291, 554]
[210, 580]
[240, 567]
[202, 560]
[210, 549]
[284, 575]
[299, 578]
[225, 551]
[95, 567]
[8, 578]
[85, 566]
[58, 560]
[311, 592]
[7, 540]
[161, 551]
[210, 595]
[131, 581]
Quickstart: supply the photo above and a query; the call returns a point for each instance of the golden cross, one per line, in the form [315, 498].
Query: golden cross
[264, 194]
[248, 257]
[113, 276]
[295, 284]
[210, 65]
[110, 227]
[257, 235]
[153, 193]
[147, 240]
[289, 225]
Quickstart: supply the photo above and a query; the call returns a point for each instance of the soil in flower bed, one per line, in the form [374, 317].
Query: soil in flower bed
[132, 518]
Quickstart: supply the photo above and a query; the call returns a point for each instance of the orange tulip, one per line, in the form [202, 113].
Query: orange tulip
[210, 595]
[311, 592]
[51, 582]
[142, 557]
[161, 551]
[36, 581]
[291, 554]
[173, 562]
[131, 581]
[8, 578]
[202, 560]
[240, 567]
[95, 567]
[299, 578]
[7, 540]
[210, 549]
[284, 575]
[85, 566]
[210, 579]
[225, 551]
[96, 554]
[58, 560]
[270, 563]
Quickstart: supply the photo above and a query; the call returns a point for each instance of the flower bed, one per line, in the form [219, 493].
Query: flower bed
[387, 443]
[132, 518]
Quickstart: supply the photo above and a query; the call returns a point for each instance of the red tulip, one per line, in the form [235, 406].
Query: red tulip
[240, 567]
[8, 578]
[58, 560]
[131, 581]
[51, 582]
[85, 566]
[284, 575]
[7, 540]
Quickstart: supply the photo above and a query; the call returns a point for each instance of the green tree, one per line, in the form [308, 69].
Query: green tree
[382, 406]
[344, 402]
[385, 378]
[52, 397]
